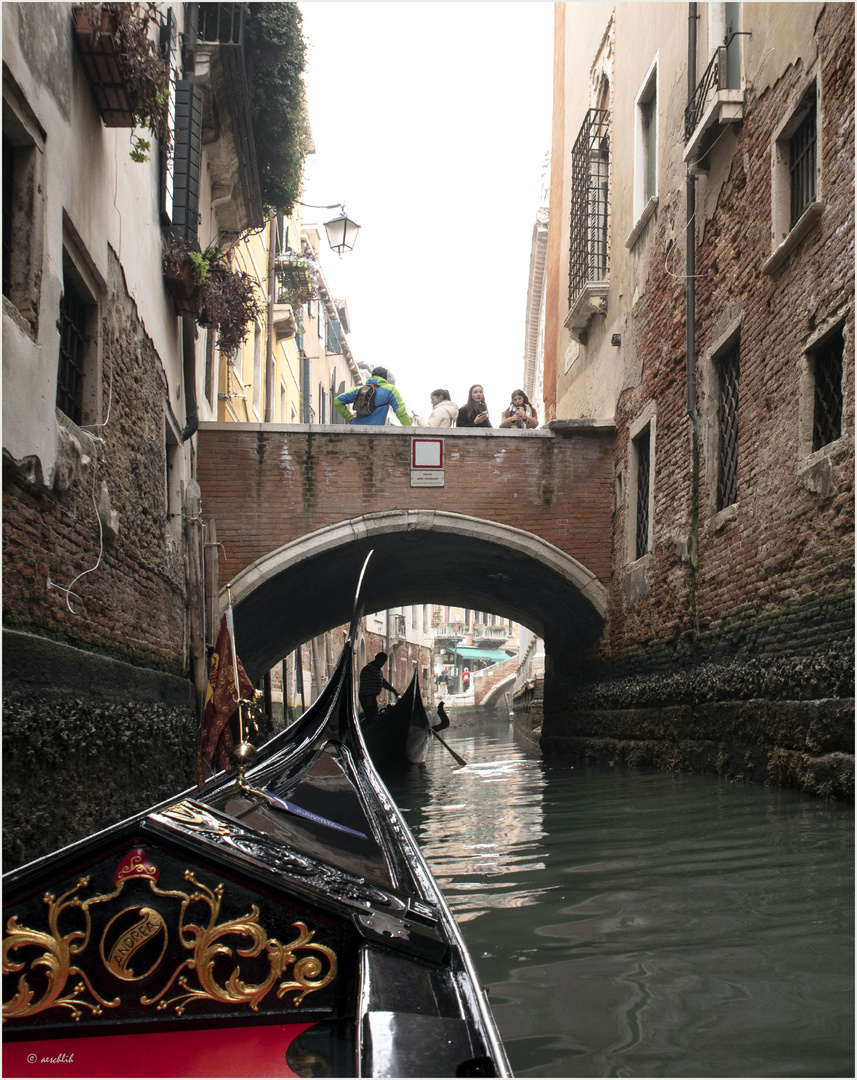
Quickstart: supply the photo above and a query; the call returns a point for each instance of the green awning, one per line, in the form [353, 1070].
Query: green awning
[467, 653]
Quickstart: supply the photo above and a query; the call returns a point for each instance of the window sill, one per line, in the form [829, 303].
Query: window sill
[805, 223]
[817, 471]
[284, 323]
[642, 221]
[717, 522]
[636, 580]
[23, 323]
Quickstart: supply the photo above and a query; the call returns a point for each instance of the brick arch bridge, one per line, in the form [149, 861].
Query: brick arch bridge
[521, 527]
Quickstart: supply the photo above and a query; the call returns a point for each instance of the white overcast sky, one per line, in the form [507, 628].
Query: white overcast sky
[432, 121]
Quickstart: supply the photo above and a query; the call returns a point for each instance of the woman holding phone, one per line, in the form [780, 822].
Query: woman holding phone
[474, 412]
[520, 413]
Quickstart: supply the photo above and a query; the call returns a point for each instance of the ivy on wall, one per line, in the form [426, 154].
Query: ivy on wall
[275, 58]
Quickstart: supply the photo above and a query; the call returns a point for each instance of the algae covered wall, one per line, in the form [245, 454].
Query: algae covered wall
[87, 741]
[769, 701]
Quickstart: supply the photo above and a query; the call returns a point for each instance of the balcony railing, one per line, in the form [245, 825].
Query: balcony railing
[220, 49]
[220, 22]
[717, 100]
[715, 78]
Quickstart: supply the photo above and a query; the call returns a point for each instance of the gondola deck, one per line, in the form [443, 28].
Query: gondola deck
[284, 925]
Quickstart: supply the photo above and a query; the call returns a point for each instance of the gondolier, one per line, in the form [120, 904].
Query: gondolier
[372, 682]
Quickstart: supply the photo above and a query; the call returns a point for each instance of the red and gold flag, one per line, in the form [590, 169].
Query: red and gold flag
[221, 703]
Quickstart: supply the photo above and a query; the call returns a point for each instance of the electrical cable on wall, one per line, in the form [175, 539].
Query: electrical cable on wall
[686, 277]
[68, 589]
[95, 440]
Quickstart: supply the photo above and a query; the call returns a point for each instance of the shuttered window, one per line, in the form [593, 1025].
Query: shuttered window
[333, 336]
[72, 351]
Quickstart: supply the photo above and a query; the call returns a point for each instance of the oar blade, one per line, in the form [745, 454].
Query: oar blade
[457, 757]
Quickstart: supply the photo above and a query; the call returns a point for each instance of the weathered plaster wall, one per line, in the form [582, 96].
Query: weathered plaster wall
[729, 645]
[130, 601]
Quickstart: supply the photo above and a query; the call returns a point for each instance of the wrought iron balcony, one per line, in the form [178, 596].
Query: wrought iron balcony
[713, 79]
[714, 102]
[589, 226]
[227, 120]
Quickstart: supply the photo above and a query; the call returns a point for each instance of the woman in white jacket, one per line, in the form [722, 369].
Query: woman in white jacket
[444, 412]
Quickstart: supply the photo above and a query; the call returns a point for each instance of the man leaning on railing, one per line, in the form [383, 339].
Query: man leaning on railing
[372, 401]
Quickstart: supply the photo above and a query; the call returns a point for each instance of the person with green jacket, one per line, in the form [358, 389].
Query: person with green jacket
[384, 397]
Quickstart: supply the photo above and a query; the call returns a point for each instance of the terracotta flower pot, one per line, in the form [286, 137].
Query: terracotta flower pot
[181, 285]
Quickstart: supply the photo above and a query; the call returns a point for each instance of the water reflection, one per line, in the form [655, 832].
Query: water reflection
[640, 923]
[480, 827]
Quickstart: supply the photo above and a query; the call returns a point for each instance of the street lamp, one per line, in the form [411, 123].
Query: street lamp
[341, 231]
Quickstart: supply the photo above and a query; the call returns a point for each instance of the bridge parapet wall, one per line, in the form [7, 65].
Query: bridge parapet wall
[266, 486]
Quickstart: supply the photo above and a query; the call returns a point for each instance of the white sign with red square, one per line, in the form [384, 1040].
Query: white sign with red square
[427, 463]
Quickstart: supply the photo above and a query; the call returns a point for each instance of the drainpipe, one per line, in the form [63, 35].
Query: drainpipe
[269, 359]
[189, 373]
[305, 389]
[690, 232]
[189, 325]
[690, 320]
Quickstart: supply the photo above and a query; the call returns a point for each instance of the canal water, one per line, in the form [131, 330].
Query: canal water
[628, 922]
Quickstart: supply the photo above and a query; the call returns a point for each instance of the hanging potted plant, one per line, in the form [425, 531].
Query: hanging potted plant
[185, 270]
[129, 77]
[297, 277]
[205, 287]
[230, 301]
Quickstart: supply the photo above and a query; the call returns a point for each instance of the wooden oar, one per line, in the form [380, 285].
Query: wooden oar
[457, 757]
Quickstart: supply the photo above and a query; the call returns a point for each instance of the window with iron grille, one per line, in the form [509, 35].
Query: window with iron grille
[827, 407]
[643, 447]
[590, 159]
[802, 165]
[72, 327]
[728, 370]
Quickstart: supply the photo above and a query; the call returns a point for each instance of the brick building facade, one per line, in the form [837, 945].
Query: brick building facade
[103, 623]
[730, 634]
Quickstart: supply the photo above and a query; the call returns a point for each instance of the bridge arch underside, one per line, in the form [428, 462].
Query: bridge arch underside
[419, 557]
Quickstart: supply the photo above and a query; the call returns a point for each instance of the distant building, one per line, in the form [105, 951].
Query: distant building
[466, 642]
